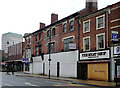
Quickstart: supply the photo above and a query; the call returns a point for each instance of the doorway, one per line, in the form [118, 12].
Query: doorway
[58, 69]
[82, 71]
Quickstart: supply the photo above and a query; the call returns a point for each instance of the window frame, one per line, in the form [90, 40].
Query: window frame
[49, 32]
[97, 28]
[37, 50]
[64, 28]
[53, 32]
[70, 29]
[67, 43]
[97, 41]
[40, 34]
[36, 37]
[52, 48]
[84, 46]
[85, 25]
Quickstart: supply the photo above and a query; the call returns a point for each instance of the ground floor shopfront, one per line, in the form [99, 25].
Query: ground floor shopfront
[26, 65]
[98, 70]
[94, 65]
[16, 64]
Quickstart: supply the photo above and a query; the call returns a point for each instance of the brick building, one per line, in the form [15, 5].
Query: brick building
[16, 54]
[87, 34]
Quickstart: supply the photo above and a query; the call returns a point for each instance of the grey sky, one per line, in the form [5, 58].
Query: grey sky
[24, 16]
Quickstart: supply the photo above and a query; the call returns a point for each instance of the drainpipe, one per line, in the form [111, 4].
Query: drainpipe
[107, 25]
[79, 38]
[111, 59]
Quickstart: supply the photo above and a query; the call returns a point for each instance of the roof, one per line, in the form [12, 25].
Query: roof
[10, 33]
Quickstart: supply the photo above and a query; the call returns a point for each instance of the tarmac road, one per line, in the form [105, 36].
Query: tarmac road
[12, 81]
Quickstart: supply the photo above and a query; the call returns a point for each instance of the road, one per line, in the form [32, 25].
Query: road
[30, 82]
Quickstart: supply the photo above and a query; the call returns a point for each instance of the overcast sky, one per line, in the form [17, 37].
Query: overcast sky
[24, 16]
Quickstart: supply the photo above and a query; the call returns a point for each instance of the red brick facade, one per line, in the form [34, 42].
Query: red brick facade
[112, 12]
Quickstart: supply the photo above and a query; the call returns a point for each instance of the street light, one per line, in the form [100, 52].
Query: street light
[49, 49]
[13, 59]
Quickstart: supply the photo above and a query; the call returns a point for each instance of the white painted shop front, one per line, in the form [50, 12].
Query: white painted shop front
[67, 64]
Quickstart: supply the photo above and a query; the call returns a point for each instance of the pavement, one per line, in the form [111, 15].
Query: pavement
[72, 80]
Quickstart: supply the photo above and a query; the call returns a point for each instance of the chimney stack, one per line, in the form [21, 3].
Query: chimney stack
[54, 18]
[92, 5]
[42, 25]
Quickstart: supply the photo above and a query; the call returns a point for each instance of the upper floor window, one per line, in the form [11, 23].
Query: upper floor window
[86, 26]
[30, 39]
[53, 32]
[37, 51]
[86, 43]
[67, 42]
[48, 33]
[100, 41]
[72, 25]
[65, 27]
[100, 22]
[40, 36]
[36, 37]
[51, 47]
[27, 40]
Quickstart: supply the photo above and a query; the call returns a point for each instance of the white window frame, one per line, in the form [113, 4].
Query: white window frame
[63, 28]
[97, 40]
[103, 22]
[73, 25]
[84, 26]
[84, 43]
[30, 39]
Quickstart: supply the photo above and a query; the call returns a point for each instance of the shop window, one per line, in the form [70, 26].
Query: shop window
[86, 43]
[26, 66]
[100, 22]
[100, 41]
[67, 42]
[86, 26]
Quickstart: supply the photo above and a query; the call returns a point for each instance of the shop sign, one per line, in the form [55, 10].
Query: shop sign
[26, 60]
[72, 46]
[94, 55]
[37, 59]
[116, 49]
[114, 35]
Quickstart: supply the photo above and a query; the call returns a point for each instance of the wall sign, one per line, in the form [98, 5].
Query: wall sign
[72, 46]
[117, 50]
[94, 55]
[114, 36]
[26, 60]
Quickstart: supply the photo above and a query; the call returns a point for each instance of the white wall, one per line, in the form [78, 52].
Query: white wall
[68, 64]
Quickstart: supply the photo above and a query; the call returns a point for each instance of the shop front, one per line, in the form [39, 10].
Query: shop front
[94, 65]
[116, 61]
[26, 62]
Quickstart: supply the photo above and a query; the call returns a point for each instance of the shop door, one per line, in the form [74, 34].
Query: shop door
[84, 71]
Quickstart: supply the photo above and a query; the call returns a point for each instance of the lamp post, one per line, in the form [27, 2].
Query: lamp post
[49, 50]
[13, 59]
